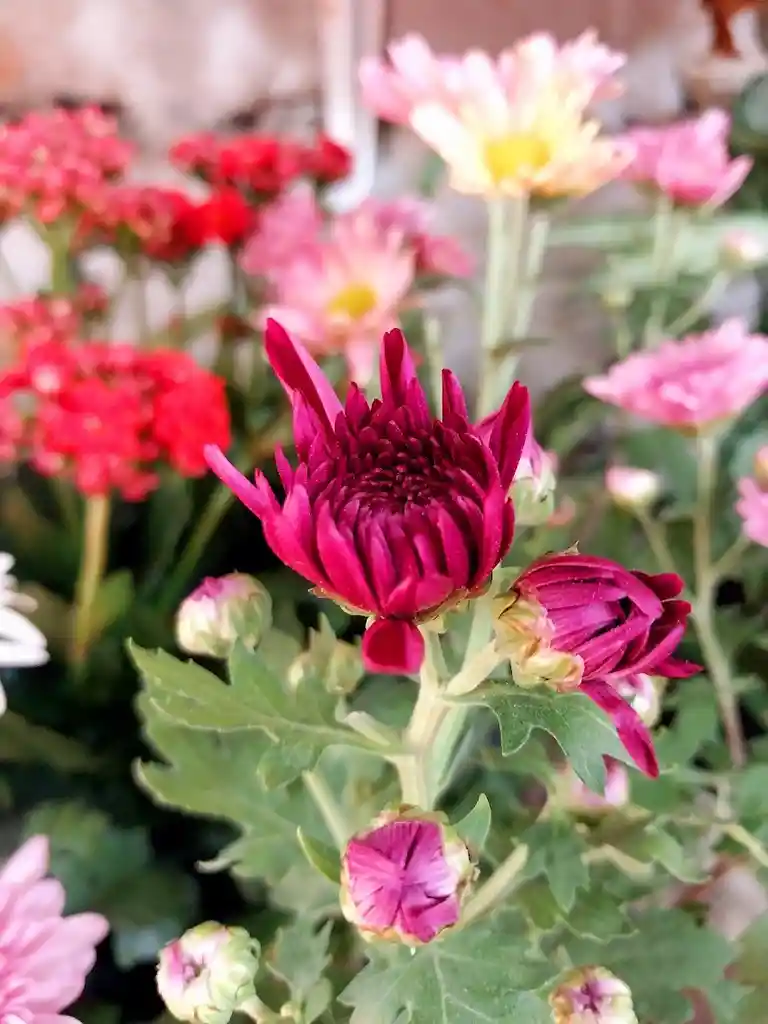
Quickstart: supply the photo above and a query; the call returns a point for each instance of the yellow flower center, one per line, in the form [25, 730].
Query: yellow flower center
[354, 301]
[507, 157]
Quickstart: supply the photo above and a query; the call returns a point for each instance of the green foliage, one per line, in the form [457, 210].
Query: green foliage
[557, 852]
[483, 973]
[111, 870]
[582, 731]
[299, 959]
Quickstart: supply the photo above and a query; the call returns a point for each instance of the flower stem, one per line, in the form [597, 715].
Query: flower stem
[704, 600]
[212, 515]
[92, 565]
[330, 811]
[414, 767]
[500, 290]
[502, 882]
[661, 258]
[259, 1012]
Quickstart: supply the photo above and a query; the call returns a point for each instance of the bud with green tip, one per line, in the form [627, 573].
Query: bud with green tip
[220, 611]
[533, 489]
[404, 879]
[592, 995]
[338, 664]
[204, 976]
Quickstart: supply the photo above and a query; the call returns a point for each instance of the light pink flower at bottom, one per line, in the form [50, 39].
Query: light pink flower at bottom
[753, 509]
[592, 995]
[44, 957]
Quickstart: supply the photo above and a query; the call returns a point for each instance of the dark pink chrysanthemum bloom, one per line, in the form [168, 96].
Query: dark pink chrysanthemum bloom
[404, 879]
[390, 511]
[578, 621]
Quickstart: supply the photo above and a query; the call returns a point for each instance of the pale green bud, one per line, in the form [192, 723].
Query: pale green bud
[219, 612]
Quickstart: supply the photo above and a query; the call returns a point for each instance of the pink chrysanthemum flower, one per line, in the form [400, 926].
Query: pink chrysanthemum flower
[514, 125]
[689, 161]
[44, 957]
[390, 511]
[693, 384]
[404, 878]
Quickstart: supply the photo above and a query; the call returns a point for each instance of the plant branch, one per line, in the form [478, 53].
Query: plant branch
[93, 562]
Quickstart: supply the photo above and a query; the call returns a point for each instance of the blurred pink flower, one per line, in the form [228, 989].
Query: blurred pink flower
[390, 510]
[752, 506]
[404, 878]
[292, 224]
[690, 384]
[688, 161]
[508, 126]
[44, 957]
[340, 284]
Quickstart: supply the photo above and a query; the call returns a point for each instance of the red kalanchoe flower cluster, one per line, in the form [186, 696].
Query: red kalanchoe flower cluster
[582, 622]
[57, 163]
[167, 224]
[261, 166]
[108, 415]
[50, 317]
[391, 511]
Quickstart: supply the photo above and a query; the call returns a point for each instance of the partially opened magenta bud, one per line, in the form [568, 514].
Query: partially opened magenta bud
[405, 878]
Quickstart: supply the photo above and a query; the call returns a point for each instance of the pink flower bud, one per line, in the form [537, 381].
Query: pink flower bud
[741, 250]
[633, 489]
[404, 878]
[592, 995]
[204, 976]
[219, 612]
[573, 795]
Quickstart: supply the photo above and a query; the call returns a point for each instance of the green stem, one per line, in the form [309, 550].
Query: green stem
[698, 308]
[142, 312]
[93, 562]
[434, 353]
[259, 1012]
[704, 600]
[661, 262]
[330, 811]
[414, 767]
[212, 515]
[504, 880]
[499, 291]
[657, 541]
[538, 236]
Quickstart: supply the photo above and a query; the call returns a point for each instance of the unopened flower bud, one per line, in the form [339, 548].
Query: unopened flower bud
[533, 489]
[220, 611]
[405, 877]
[741, 250]
[631, 488]
[617, 298]
[204, 976]
[592, 995]
[338, 664]
[573, 795]
[761, 468]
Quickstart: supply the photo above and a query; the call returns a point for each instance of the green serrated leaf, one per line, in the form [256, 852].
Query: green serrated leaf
[302, 721]
[584, 733]
[475, 826]
[483, 974]
[299, 958]
[596, 913]
[646, 845]
[556, 852]
[216, 775]
[322, 857]
[112, 601]
[667, 955]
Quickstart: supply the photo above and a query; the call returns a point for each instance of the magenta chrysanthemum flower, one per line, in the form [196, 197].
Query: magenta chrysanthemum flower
[404, 879]
[44, 957]
[578, 621]
[390, 511]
